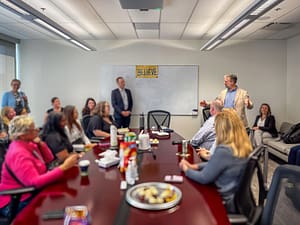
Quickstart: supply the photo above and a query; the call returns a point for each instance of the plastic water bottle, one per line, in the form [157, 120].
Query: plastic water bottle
[113, 136]
[135, 170]
[142, 121]
[129, 175]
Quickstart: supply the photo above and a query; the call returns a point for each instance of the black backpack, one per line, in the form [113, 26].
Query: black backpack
[292, 136]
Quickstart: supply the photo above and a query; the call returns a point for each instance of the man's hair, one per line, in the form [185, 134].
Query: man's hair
[218, 105]
[118, 78]
[232, 77]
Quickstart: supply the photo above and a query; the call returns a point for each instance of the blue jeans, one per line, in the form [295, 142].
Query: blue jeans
[6, 212]
[294, 156]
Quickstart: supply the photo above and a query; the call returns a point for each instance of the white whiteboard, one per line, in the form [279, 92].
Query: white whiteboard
[175, 90]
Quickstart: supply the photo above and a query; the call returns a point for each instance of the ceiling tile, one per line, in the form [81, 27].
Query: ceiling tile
[50, 10]
[195, 31]
[171, 31]
[110, 11]
[123, 30]
[148, 34]
[177, 11]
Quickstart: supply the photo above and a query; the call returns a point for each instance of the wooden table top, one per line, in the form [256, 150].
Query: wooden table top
[100, 192]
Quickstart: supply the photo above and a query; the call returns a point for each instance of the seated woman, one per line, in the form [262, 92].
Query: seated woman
[73, 128]
[227, 163]
[56, 107]
[88, 107]
[55, 137]
[25, 162]
[264, 125]
[7, 114]
[99, 125]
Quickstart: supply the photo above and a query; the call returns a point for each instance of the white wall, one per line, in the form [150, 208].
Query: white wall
[293, 80]
[57, 69]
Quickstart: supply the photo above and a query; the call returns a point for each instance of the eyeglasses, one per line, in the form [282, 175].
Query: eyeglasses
[33, 129]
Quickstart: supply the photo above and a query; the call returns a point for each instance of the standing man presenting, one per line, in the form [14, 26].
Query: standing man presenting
[234, 97]
[121, 101]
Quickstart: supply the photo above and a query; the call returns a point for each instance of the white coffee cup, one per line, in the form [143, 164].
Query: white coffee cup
[144, 141]
[84, 165]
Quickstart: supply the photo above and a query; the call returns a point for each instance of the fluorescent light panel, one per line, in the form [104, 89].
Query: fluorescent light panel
[263, 7]
[80, 45]
[254, 11]
[49, 27]
[214, 44]
[14, 7]
[236, 28]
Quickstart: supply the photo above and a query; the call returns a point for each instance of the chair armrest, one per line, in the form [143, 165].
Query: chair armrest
[17, 191]
[237, 219]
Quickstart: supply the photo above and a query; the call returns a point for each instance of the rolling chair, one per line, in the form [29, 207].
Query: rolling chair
[283, 199]
[248, 211]
[206, 113]
[15, 195]
[85, 122]
[158, 119]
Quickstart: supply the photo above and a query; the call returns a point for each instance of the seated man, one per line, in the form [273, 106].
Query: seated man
[206, 135]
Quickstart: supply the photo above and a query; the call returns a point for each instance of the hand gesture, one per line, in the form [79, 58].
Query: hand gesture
[69, 162]
[203, 103]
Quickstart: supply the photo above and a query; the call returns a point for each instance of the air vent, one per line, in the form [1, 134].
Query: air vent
[141, 4]
[277, 26]
[146, 26]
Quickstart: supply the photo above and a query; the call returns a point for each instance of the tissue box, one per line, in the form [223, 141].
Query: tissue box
[105, 163]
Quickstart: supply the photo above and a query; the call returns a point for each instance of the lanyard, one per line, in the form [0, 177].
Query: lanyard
[36, 154]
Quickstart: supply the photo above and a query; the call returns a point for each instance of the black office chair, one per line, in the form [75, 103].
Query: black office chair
[248, 211]
[206, 113]
[283, 199]
[85, 122]
[158, 119]
[15, 195]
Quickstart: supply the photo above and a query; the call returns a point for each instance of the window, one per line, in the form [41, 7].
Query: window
[7, 65]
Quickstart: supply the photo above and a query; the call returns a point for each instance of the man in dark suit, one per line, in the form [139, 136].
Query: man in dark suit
[121, 101]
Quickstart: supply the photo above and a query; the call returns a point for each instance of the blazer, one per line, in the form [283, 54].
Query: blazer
[239, 103]
[269, 125]
[117, 102]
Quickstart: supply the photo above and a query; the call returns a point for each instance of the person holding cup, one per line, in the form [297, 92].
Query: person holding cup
[27, 158]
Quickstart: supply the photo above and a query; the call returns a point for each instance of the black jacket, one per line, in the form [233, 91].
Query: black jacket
[269, 125]
[117, 102]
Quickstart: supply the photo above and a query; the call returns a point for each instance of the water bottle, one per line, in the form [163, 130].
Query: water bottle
[129, 174]
[142, 121]
[113, 136]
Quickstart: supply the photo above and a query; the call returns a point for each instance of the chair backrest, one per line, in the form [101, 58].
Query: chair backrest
[206, 113]
[283, 199]
[244, 200]
[158, 119]
[85, 122]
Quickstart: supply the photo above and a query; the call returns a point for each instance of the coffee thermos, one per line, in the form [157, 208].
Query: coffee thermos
[142, 121]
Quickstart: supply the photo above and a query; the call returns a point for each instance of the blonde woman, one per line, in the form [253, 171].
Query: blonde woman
[229, 159]
[7, 114]
[25, 162]
[101, 120]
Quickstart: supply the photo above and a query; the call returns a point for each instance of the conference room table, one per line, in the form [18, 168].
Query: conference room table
[100, 192]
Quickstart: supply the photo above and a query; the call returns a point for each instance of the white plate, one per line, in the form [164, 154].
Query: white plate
[133, 199]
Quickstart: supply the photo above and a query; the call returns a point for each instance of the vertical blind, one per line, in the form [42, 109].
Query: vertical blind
[7, 65]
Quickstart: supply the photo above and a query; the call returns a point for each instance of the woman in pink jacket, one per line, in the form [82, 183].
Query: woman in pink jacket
[26, 162]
